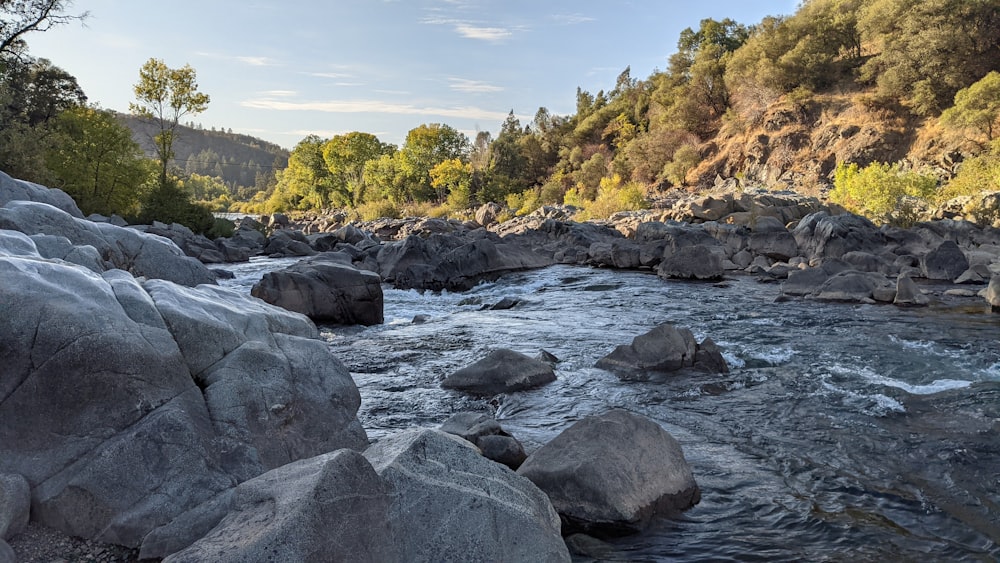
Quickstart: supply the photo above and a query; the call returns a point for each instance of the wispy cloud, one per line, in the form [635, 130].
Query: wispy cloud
[279, 93]
[375, 106]
[494, 34]
[333, 75]
[473, 86]
[571, 19]
[257, 61]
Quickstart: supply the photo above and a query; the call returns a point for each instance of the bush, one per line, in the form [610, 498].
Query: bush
[372, 210]
[685, 159]
[612, 197]
[975, 175]
[881, 191]
[169, 203]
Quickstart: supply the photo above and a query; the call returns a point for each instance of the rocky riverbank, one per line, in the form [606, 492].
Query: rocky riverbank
[143, 406]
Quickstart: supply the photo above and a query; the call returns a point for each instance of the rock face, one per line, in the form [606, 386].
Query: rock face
[611, 474]
[450, 504]
[692, 263]
[15, 504]
[325, 291]
[501, 371]
[665, 348]
[946, 262]
[127, 249]
[107, 378]
[333, 507]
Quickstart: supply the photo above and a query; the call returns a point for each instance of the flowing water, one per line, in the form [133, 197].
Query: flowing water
[842, 433]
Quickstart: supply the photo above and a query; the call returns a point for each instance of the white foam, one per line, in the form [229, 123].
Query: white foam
[773, 356]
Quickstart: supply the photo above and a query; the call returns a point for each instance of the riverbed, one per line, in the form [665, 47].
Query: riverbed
[843, 432]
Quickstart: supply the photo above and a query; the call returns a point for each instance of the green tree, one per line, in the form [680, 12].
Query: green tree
[345, 157]
[164, 95]
[880, 191]
[977, 107]
[425, 147]
[96, 161]
[452, 179]
[927, 50]
[306, 183]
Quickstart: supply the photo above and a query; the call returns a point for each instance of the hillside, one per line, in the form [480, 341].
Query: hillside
[234, 158]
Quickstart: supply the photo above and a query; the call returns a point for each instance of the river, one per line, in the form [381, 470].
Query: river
[842, 432]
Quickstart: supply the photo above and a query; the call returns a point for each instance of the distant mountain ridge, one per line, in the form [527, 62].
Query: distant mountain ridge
[235, 158]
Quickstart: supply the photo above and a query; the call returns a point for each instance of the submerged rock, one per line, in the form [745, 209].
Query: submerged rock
[486, 433]
[611, 474]
[501, 371]
[665, 348]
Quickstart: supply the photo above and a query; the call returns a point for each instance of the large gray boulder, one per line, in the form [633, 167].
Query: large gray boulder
[15, 504]
[821, 235]
[908, 293]
[127, 405]
[451, 504]
[453, 262]
[501, 371]
[946, 262]
[12, 189]
[612, 473]
[695, 262]
[665, 348]
[856, 287]
[139, 253]
[332, 507]
[325, 291]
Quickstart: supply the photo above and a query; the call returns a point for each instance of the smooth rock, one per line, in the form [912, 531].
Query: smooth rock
[449, 503]
[611, 474]
[946, 262]
[325, 291]
[908, 293]
[501, 371]
[691, 263]
[993, 293]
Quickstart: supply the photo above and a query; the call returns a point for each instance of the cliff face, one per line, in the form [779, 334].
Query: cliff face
[798, 145]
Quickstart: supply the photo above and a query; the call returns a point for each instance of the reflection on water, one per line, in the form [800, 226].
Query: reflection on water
[843, 432]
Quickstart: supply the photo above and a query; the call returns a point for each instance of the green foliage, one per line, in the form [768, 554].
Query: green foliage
[975, 175]
[170, 203]
[685, 159]
[96, 161]
[614, 196]
[164, 95]
[927, 50]
[452, 179]
[345, 157]
[880, 191]
[977, 107]
[221, 228]
[373, 210]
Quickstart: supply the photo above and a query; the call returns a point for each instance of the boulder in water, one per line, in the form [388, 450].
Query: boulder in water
[611, 474]
[946, 262]
[695, 262]
[665, 348]
[487, 434]
[501, 371]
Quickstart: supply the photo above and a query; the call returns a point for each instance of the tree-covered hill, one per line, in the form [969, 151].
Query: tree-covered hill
[242, 162]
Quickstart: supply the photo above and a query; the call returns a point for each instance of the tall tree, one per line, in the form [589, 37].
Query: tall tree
[164, 95]
[97, 162]
[345, 156]
[20, 17]
[425, 147]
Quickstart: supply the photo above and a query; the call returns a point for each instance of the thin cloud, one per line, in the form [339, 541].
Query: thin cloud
[333, 75]
[257, 61]
[279, 93]
[572, 19]
[473, 86]
[376, 106]
[470, 31]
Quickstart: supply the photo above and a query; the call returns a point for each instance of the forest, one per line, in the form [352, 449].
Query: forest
[736, 100]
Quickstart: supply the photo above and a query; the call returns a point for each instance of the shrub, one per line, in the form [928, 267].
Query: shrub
[685, 159]
[614, 196]
[372, 210]
[975, 175]
[881, 191]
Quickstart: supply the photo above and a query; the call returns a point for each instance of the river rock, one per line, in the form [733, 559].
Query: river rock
[12, 189]
[946, 262]
[488, 213]
[15, 504]
[486, 433]
[139, 253]
[501, 371]
[126, 405]
[611, 474]
[325, 291]
[808, 281]
[665, 348]
[908, 293]
[453, 262]
[7, 554]
[333, 507]
[449, 503]
[993, 293]
[821, 235]
[856, 287]
[286, 242]
[696, 262]
[622, 254]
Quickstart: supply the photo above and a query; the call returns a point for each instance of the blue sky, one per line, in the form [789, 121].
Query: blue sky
[281, 70]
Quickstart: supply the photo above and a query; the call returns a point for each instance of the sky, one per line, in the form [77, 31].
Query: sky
[282, 70]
